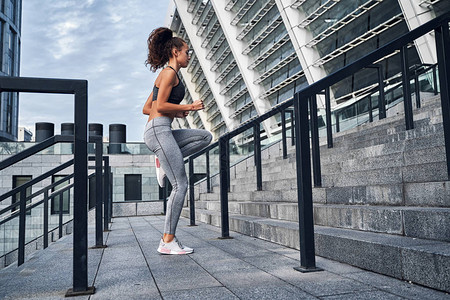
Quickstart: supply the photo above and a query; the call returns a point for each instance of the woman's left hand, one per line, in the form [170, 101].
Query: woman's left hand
[181, 114]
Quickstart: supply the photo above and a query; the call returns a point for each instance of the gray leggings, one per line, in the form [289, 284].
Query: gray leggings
[171, 146]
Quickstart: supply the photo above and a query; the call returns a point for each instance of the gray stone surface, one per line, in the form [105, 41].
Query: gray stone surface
[427, 194]
[427, 265]
[430, 223]
[240, 268]
[122, 209]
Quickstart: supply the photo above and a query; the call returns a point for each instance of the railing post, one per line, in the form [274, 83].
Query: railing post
[80, 211]
[328, 118]
[315, 141]
[435, 80]
[369, 105]
[106, 193]
[191, 192]
[110, 191]
[208, 174]
[406, 88]
[98, 191]
[60, 216]
[291, 113]
[283, 133]
[443, 55]
[304, 187]
[337, 121]
[257, 152]
[22, 216]
[224, 170]
[381, 98]
[417, 89]
[46, 218]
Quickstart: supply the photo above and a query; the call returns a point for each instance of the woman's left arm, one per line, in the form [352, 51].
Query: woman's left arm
[148, 105]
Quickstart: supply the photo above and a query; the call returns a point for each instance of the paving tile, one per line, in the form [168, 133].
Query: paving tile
[397, 287]
[372, 295]
[217, 293]
[239, 268]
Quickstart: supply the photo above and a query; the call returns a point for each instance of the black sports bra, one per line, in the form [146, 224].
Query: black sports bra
[176, 94]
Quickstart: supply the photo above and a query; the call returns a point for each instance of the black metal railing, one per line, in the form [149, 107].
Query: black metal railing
[305, 113]
[79, 88]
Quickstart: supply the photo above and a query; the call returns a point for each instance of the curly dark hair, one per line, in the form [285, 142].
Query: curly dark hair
[160, 44]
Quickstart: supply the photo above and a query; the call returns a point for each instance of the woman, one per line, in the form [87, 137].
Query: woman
[171, 146]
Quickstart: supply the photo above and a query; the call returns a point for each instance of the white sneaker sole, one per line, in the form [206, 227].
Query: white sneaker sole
[171, 252]
[159, 178]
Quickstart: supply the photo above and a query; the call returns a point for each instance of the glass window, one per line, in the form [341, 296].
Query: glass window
[133, 187]
[19, 180]
[9, 113]
[55, 207]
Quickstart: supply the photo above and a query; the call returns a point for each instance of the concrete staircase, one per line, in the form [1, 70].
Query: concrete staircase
[384, 204]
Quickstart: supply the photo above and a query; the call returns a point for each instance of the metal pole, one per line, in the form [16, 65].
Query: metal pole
[443, 54]
[257, 149]
[60, 216]
[110, 176]
[369, 104]
[22, 216]
[381, 97]
[224, 160]
[337, 121]
[435, 80]
[328, 118]
[191, 192]
[406, 88]
[106, 193]
[80, 234]
[98, 192]
[292, 128]
[208, 174]
[304, 187]
[417, 89]
[46, 218]
[315, 141]
[283, 133]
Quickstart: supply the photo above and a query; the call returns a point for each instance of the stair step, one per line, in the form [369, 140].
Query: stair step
[431, 194]
[420, 261]
[418, 222]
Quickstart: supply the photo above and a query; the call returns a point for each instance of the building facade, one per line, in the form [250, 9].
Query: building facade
[251, 55]
[10, 26]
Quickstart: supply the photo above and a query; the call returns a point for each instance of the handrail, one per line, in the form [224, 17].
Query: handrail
[301, 100]
[31, 206]
[302, 137]
[79, 88]
[35, 180]
[35, 149]
[45, 202]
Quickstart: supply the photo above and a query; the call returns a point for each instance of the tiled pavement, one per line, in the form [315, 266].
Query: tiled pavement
[238, 268]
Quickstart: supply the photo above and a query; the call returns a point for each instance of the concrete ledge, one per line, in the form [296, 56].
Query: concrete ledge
[137, 208]
[425, 262]
[416, 222]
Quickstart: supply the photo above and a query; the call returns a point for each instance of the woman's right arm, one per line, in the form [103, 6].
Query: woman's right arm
[165, 87]
[148, 105]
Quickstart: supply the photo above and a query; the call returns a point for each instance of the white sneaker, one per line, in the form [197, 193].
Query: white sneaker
[174, 247]
[160, 174]
[187, 249]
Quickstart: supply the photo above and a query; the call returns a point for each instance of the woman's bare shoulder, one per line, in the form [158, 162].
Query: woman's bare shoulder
[166, 75]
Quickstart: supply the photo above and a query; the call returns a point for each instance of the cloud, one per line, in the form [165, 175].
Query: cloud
[103, 41]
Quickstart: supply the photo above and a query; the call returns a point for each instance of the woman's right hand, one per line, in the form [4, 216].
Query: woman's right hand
[198, 105]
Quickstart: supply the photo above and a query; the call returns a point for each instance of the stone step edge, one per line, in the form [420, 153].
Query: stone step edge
[405, 258]
[355, 206]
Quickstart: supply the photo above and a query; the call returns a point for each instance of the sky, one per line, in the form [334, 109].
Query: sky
[102, 41]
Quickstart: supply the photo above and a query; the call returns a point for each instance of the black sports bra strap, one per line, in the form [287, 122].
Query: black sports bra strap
[175, 72]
